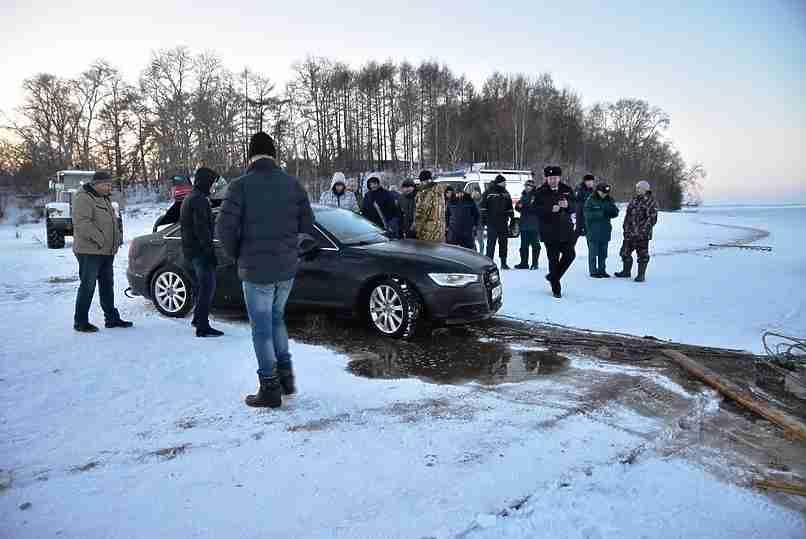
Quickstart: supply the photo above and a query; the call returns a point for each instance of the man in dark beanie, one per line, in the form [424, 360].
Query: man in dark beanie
[496, 205]
[96, 239]
[196, 219]
[406, 205]
[261, 217]
[555, 206]
[584, 190]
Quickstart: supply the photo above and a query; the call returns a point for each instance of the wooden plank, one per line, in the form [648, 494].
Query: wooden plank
[790, 424]
[782, 485]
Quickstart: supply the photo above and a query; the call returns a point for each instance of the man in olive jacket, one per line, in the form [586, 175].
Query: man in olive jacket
[262, 215]
[599, 210]
[96, 239]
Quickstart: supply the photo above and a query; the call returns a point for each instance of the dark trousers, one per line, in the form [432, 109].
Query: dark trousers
[462, 241]
[92, 269]
[498, 234]
[630, 245]
[560, 256]
[205, 290]
[530, 239]
[597, 254]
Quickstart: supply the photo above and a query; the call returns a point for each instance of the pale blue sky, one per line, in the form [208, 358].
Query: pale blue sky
[732, 78]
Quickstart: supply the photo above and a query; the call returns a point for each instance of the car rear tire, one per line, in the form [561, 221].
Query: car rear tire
[55, 238]
[172, 292]
[394, 309]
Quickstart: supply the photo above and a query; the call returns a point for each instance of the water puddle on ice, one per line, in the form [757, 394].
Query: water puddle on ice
[448, 357]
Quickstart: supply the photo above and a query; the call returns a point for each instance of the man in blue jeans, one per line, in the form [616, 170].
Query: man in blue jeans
[261, 217]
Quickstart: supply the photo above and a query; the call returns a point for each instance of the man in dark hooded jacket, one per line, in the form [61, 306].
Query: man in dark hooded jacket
[406, 203]
[555, 203]
[496, 204]
[378, 205]
[463, 218]
[196, 220]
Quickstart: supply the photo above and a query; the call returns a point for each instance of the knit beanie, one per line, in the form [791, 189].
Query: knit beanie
[261, 144]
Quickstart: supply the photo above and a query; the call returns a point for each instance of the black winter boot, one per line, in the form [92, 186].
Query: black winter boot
[641, 277]
[287, 380]
[627, 271]
[504, 265]
[268, 396]
[119, 323]
[208, 332]
[85, 328]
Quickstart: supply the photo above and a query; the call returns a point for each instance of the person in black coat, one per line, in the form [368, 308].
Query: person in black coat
[584, 190]
[496, 206]
[196, 221]
[379, 206]
[530, 226]
[556, 205]
[406, 204]
[463, 218]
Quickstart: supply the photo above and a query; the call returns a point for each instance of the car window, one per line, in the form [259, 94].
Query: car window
[348, 227]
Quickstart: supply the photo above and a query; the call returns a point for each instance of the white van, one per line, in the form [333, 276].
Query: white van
[481, 179]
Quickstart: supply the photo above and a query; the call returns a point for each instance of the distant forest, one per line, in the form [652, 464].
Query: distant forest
[188, 109]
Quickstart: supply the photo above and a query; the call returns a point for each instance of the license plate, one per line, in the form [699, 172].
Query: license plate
[497, 291]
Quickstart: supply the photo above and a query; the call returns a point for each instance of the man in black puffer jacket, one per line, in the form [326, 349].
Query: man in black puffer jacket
[463, 218]
[555, 205]
[262, 215]
[196, 219]
[496, 205]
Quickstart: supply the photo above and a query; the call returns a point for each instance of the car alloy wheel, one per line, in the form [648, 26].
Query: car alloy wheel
[394, 308]
[172, 293]
[386, 309]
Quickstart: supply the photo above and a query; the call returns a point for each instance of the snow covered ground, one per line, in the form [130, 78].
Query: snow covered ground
[718, 297]
[143, 433]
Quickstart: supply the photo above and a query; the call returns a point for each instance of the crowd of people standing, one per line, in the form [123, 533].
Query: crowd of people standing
[552, 212]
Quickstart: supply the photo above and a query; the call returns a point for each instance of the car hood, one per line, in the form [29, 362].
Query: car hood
[425, 250]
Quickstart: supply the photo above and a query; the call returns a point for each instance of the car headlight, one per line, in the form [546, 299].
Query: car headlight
[454, 279]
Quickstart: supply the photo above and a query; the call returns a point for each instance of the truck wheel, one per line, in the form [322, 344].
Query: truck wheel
[172, 292]
[394, 309]
[55, 238]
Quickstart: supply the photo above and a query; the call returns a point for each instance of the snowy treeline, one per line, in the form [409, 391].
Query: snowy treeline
[186, 109]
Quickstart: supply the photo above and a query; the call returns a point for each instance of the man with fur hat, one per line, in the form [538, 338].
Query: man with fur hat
[496, 205]
[556, 204]
[639, 221]
[196, 220]
[338, 196]
[429, 209]
[261, 218]
[96, 239]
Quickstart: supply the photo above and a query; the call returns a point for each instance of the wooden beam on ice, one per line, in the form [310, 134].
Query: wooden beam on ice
[789, 486]
[792, 426]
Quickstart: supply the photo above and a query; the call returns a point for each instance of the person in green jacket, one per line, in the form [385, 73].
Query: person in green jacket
[599, 210]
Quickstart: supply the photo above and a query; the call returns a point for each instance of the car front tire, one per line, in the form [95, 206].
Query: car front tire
[394, 309]
[172, 292]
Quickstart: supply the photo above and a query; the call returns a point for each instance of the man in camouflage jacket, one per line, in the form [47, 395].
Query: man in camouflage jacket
[429, 209]
[641, 218]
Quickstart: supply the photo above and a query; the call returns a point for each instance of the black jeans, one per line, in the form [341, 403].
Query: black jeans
[92, 269]
[530, 240]
[498, 234]
[205, 290]
[560, 256]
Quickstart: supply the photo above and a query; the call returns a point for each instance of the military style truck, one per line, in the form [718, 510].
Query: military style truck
[58, 214]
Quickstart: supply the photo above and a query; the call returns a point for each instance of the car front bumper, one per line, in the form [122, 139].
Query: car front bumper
[463, 305]
[138, 284]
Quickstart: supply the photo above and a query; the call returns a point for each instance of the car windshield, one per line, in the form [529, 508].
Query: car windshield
[458, 185]
[348, 227]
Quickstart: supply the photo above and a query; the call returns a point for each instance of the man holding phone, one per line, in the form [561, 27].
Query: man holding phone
[555, 206]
